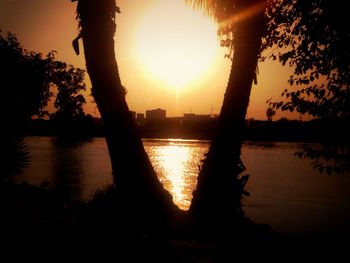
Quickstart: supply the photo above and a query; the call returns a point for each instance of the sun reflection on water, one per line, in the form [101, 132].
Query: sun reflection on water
[174, 159]
[176, 163]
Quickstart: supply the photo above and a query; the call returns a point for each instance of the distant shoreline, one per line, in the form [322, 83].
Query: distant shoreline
[185, 140]
[314, 131]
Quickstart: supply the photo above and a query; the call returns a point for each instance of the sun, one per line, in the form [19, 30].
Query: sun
[175, 44]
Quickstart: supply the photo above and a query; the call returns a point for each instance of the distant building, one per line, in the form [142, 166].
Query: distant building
[189, 116]
[157, 114]
[140, 118]
[133, 115]
[194, 117]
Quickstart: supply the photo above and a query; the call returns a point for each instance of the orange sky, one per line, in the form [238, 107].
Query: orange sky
[159, 45]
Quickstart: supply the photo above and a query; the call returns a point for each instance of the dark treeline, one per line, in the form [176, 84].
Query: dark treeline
[315, 130]
[85, 126]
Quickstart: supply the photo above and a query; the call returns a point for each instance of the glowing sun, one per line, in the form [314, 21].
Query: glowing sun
[175, 44]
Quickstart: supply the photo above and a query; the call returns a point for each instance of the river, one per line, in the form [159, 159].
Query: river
[286, 193]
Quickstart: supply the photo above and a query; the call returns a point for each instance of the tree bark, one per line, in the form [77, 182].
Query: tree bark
[136, 183]
[219, 188]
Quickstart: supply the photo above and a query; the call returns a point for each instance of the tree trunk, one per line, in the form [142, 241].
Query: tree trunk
[137, 185]
[220, 185]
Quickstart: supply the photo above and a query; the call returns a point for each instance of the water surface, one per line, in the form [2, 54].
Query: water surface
[286, 192]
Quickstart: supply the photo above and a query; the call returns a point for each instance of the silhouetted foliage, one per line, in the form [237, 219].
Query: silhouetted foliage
[69, 118]
[26, 81]
[313, 37]
[69, 82]
[330, 158]
[270, 113]
[15, 158]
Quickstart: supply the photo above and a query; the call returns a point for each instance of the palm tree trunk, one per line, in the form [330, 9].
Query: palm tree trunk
[135, 180]
[219, 188]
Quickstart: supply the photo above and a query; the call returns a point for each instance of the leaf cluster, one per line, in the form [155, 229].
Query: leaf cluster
[329, 158]
[26, 84]
[312, 36]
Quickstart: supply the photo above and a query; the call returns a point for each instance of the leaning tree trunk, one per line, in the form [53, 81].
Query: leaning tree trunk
[220, 185]
[135, 180]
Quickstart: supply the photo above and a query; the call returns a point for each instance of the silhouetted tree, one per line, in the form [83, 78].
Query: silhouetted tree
[313, 37]
[69, 116]
[69, 101]
[270, 113]
[26, 80]
[135, 180]
[220, 181]
[25, 83]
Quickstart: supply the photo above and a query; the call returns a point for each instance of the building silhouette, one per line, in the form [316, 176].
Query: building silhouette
[133, 115]
[157, 114]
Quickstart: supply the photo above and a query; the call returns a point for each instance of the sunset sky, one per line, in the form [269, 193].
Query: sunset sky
[168, 55]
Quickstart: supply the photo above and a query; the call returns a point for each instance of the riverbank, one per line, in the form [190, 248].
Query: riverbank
[34, 218]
